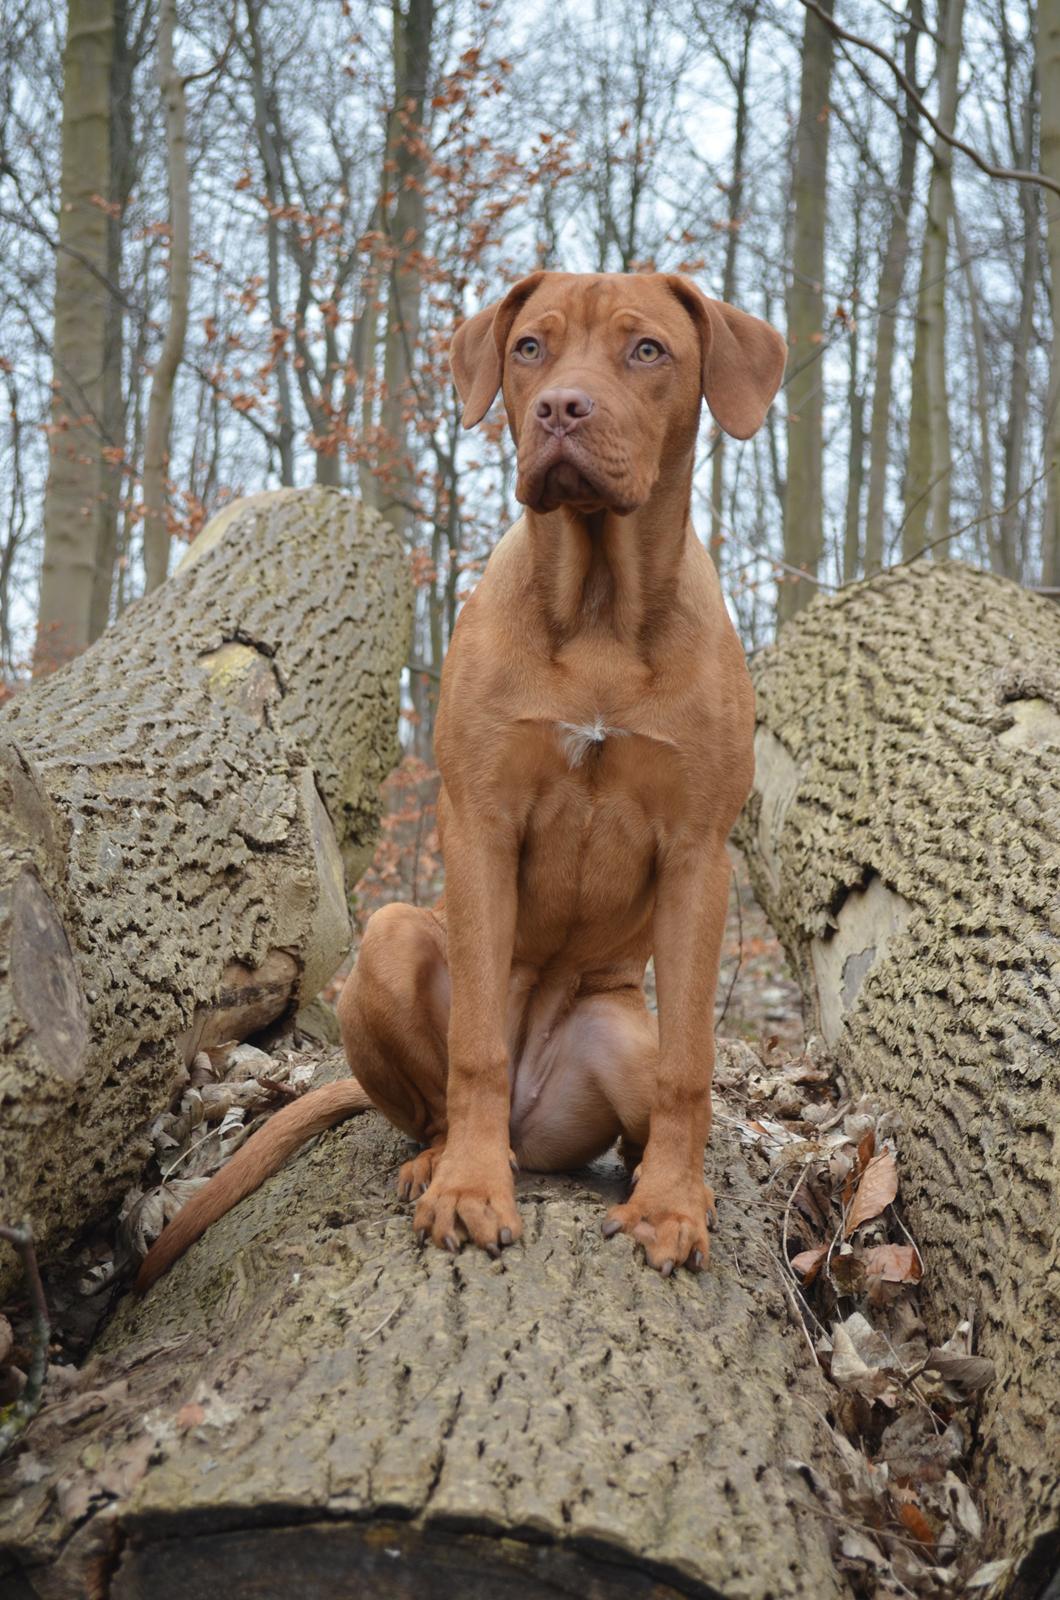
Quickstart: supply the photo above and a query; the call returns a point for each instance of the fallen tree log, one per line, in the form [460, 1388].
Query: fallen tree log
[904, 839]
[176, 809]
[308, 1404]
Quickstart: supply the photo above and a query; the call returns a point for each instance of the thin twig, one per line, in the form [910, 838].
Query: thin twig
[1010, 174]
[14, 1418]
[739, 954]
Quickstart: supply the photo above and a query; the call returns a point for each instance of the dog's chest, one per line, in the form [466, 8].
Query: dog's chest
[581, 741]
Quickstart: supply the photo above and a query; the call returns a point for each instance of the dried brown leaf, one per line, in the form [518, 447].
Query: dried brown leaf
[914, 1520]
[876, 1191]
[895, 1263]
[808, 1262]
[968, 1372]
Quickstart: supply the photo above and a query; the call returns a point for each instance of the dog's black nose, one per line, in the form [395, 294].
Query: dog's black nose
[560, 411]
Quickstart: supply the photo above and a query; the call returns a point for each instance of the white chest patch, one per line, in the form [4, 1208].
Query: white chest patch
[578, 739]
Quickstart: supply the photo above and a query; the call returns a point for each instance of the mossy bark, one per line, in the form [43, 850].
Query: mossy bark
[904, 839]
[176, 808]
[311, 1404]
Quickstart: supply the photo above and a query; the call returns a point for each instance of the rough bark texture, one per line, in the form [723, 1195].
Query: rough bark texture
[311, 1405]
[75, 500]
[175, 811]
[904, 838]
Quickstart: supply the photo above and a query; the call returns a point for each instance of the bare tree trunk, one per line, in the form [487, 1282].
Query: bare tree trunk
[160, 405]
[322, 1409]
[122, 178]
[928, 492]
[803, 493]
[270, 160]
[75, 498]
[983, 386]
[856, 418]
[734, 217]
[1048, 56]
[888, 293]
[406, 223]
[902, 837]
[1007, 550]
[176, 808]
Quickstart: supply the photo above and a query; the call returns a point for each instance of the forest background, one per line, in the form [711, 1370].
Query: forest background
[235, 239]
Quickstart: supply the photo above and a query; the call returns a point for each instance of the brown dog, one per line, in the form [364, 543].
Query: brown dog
[594, 737]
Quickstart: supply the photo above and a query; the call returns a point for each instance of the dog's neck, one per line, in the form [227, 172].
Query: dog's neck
[601, 573]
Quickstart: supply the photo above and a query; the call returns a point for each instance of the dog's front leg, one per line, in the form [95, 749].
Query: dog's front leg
[668, 1209]
[471, 1194]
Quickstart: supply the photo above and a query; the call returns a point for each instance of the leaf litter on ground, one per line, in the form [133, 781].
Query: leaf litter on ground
[901, 1424]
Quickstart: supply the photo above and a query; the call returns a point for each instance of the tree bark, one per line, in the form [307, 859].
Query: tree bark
[888, 294]
[734, 204]
[160, 405]
[803, 492]
[1048, 61]
[930, 478]
[902, 837]
[75, 498]
[311, 1405]
[176, 809]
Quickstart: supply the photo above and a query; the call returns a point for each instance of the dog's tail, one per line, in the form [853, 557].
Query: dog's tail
[257, 1160]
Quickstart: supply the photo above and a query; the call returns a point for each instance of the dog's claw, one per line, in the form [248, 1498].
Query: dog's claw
[421, 1237]
[695, 1260]
[610, 1227]
[493, 1250]
[451, 1243]
[505, 1236]
[666, 1268]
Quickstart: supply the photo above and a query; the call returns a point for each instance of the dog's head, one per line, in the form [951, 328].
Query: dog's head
[603, 374]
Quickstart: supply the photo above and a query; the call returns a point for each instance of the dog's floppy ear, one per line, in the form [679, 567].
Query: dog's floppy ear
[743, 359]
[476, 354]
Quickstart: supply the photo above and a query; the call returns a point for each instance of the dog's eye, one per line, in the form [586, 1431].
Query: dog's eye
[529, 349]
[648, 351]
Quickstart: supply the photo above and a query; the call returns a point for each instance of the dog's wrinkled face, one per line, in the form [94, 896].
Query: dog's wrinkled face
[603, 375]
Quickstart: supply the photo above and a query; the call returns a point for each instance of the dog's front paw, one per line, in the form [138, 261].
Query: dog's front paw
[669, 1220]
[469, 1200]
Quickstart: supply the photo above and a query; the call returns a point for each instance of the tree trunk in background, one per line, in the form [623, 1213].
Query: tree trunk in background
[803, 498]
[888, 294]
[903, 839]
[160, 405]
[980, 364]
[379, 1420]
[1014, 514]
[76, 496]
[405, 225]
[855, 415]
[270, 161]
[122, 177]
[1048, 56]
[734, 218]
[929, 481]
[175, 810]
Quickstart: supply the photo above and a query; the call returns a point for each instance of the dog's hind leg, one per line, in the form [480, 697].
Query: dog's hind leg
[394, 1016]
